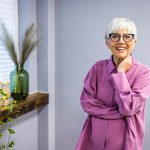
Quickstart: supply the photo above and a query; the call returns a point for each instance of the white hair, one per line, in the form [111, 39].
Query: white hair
[119, 24]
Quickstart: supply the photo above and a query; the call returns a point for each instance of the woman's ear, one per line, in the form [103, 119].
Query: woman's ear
[107, 43]
[135, 41]
[133, 44]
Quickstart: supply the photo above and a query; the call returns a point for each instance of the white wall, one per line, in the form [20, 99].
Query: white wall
[46, 72]
[80, 28]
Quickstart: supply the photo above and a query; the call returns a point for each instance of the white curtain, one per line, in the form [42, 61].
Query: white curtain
[8, 15]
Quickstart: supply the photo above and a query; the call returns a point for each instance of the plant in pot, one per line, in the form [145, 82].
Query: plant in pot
[19, 77]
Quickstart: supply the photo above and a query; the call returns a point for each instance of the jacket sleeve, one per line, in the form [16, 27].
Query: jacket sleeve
[131, 100]
[92, 105]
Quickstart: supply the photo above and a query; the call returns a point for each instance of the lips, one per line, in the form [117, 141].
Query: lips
[121, 48]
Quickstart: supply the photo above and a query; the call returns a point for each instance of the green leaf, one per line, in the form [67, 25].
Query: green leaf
[1, 122]
[14, 102]
[1, 135]
[11, 144]
[11, 131]
[10, 120]
[3, 146]
[10, 108]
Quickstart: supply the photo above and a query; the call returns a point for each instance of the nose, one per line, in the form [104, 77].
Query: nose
[121, 40]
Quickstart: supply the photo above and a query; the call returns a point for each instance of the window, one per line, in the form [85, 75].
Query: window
[9, 15]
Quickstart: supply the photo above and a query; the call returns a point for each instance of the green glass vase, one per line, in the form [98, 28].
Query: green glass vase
[19, 83]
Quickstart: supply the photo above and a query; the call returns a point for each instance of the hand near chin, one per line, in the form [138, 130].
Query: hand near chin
[125, 64]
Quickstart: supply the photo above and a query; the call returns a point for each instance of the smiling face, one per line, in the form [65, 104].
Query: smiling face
[121, 49]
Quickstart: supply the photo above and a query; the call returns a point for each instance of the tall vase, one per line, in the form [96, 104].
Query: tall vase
[19, 83]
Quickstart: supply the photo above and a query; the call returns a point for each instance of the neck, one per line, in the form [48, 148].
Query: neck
[117, 61]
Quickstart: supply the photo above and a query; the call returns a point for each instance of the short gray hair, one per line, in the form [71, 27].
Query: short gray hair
[119, 24]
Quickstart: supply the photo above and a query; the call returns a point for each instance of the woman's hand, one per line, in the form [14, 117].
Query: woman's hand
[125, 64]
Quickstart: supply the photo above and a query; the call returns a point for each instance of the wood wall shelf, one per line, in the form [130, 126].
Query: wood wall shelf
[32, 102]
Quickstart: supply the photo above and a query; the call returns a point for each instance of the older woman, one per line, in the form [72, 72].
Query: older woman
[114, 94]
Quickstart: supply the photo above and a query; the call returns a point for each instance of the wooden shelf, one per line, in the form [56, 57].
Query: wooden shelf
[32, 102]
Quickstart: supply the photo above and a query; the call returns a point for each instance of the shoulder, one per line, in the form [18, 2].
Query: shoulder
[100, 64]
[97, 67]
[140, 68]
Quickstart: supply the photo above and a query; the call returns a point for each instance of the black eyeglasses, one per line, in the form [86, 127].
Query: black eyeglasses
[126, 37]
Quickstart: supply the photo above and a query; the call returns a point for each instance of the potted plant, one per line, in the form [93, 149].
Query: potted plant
[19, 77]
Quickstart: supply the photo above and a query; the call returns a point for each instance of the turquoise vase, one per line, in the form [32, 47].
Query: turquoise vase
[19, 83]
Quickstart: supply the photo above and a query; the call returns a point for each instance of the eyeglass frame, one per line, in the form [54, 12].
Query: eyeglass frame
[133, 35]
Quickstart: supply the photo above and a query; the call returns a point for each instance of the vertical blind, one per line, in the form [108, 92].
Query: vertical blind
[8, 15]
